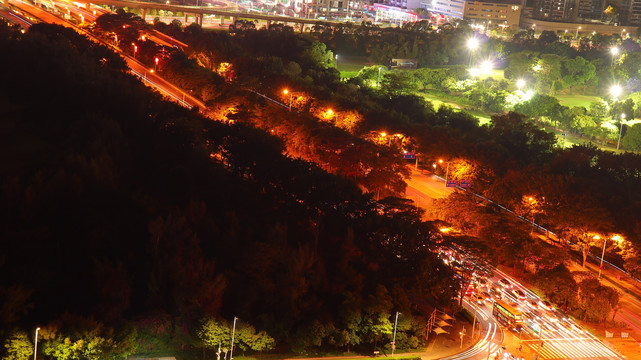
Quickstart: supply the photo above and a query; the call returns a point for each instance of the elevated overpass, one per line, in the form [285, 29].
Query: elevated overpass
[199, 11]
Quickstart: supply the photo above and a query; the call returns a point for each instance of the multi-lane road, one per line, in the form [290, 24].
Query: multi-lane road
[147, 75]
[537, 328]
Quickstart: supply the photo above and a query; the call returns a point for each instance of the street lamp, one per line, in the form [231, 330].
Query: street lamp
[447, 172]
[394, 339]
[615, 238]
[614, 51]
[472, 44]
[35, 348]
[291, 98]
[620, 130]
[233, 332]
[615, 91]
[520, 83]
[486, 67]
[135, 49]
[378, 81]
[577, 32]
[156, 64]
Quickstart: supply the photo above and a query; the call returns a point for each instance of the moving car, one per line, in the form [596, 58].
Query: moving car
[478, 298]
[505, 283]
[519, 294]
[545, 305]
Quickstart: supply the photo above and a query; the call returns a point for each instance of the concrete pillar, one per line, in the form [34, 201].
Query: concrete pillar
[233, 19]
[143, 13]
[302, 27]
[186, 18]
[199, 19]
[269, 23]
[222, 20]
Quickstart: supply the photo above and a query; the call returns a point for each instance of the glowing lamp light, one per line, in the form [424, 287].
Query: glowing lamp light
[615, 91]
[486, 67]
[520, 83]
[614, 50]
[472, 44]
[383, 134]
[285, 91]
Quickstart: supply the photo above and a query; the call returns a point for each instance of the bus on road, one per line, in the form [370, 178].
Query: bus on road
[507, 315]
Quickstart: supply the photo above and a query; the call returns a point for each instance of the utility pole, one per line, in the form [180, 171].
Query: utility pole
[394, 339]
[474, 325]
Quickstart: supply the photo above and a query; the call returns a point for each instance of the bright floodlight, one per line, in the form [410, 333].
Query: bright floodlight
[615, 91]
[614, 50]
[472, 44]
[486, 67]
[520, 83]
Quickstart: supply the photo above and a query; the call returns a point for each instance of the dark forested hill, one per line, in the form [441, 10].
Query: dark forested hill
[116, 204]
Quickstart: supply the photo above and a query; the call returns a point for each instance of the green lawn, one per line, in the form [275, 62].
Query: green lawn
[438, 101]
[577, 100]
[348, 74]
[348, 63]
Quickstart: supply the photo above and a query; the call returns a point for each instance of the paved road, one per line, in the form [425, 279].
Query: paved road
[147, 75]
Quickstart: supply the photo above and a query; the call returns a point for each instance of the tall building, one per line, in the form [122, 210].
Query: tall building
[631, 12]
[588, 9]
[503, 13]
[555, 10]
[452, 8]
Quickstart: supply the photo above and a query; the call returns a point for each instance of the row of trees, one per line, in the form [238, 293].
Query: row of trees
[495, 154]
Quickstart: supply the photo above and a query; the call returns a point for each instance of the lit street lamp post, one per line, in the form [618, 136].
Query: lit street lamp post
[620, 130]
[394, 338]
[233, 332]
[291, 98]
[472, 44]
[447, 171]
[614, 51]
[615, 91]
[378, 81]
[520, 83]
[35, 348]
[605, 240]
[156, 64]
[577, 32]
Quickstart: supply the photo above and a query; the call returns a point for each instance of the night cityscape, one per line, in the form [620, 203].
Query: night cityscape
[316, 179]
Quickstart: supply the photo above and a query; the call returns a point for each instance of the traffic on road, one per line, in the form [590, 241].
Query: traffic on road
[535, 322]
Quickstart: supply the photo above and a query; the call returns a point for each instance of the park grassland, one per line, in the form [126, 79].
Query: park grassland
[350, 66]
[573, 100]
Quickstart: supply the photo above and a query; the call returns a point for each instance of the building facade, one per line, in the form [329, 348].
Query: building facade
[555, 10]
[505, 14]
[451, 8]
[493, 13]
